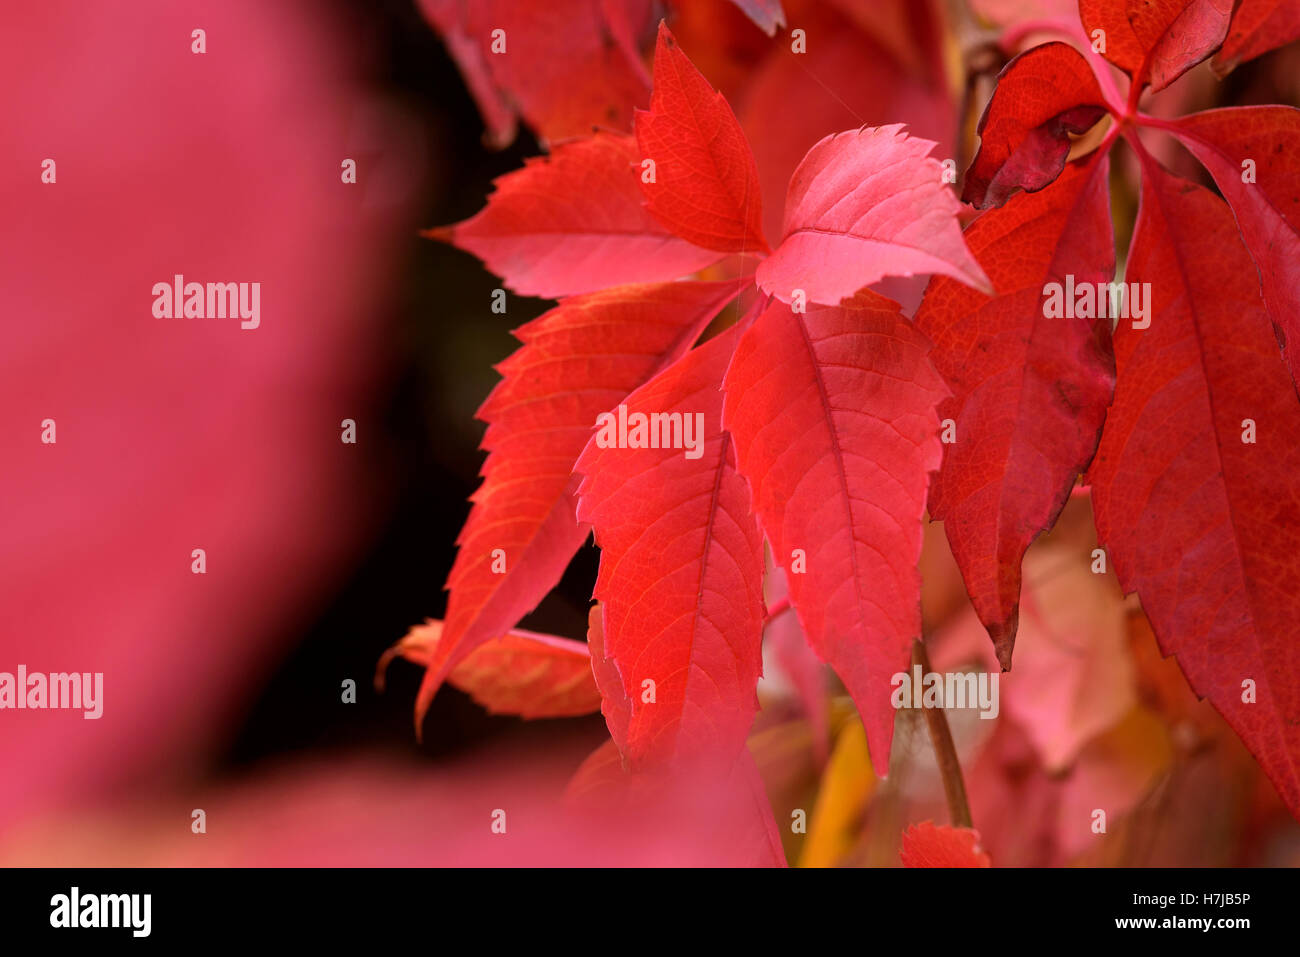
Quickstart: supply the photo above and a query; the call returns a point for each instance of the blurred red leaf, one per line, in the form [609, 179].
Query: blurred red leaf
[766, 14]
[1074, 679]
[1011, 13]
[930, 845]
[1258, 26]
[522, 672]
[1029, 817]
[177, 434]
[1074, 676]
[796, 659]
[722, 804]
[349, 810]
[866, 65]
[552, 63]
[451, 19]
[911, 34]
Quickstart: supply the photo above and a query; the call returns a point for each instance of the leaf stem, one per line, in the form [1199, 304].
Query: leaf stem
[1133, 140]
[1156, 123]
[777, 607]
[954, 787]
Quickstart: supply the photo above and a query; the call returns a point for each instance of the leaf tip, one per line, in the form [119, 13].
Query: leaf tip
[443, 234]
[381, 668]
[1003, 635]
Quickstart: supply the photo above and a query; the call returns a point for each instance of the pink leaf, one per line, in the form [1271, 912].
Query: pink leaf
[720, 810]
[863, 205]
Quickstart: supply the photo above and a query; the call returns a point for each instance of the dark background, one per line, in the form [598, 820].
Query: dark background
[423, 453]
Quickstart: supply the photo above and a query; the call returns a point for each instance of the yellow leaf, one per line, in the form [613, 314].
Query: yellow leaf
[846, 787]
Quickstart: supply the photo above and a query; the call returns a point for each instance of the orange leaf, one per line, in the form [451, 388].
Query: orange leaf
[522, 672]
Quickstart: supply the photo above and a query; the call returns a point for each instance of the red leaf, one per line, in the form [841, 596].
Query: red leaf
[863, 205]
[523, 513]
[628, 22]
[522, 672]
[833, 414]
[1268, 208]
[930, 845]
[1204, 526]
[705, 184]
[911, 34]
[573, 222]
[1257, 27]
[1030, 392]
[681, 569]
[1042, 96]
[1157, 41]
[766, 14]
[558, 69]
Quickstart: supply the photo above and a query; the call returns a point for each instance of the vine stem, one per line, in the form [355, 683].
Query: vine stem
[954, 786]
